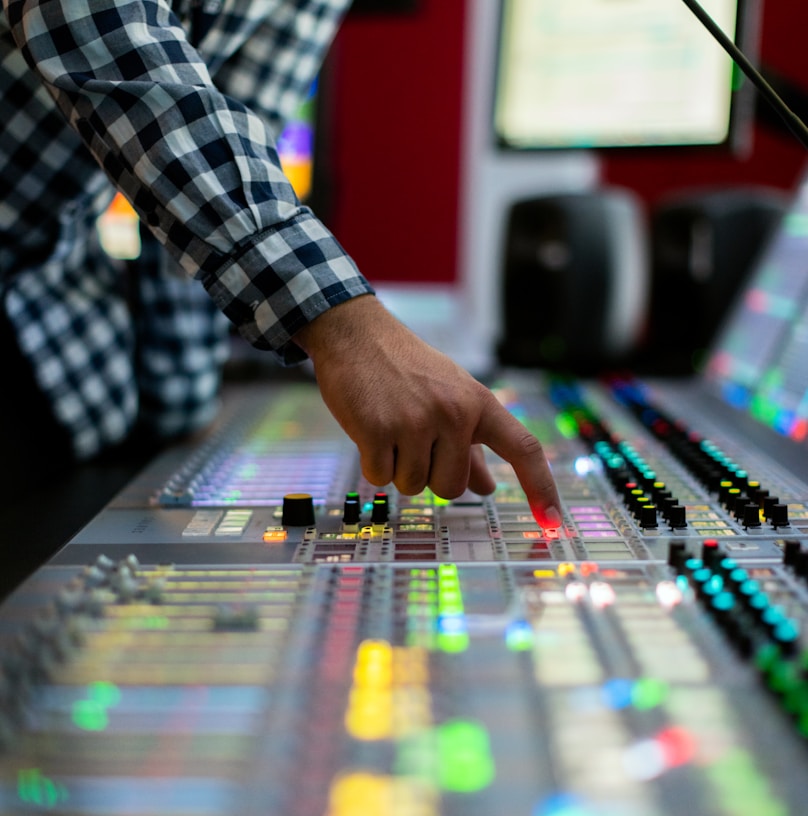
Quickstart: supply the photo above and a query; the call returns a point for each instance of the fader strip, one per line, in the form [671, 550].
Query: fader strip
[434, 688]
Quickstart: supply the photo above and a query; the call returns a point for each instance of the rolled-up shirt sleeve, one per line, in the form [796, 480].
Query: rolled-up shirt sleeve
[199, 166]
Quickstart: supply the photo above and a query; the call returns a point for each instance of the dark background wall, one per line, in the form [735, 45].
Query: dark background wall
[394, 126]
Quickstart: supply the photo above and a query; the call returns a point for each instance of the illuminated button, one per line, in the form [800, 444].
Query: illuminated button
[634, 498]
[731, 498]
[464, 760]
[710, 553]
[781, 676]
[669, 594]
[737, 577]
[786, 634]
[722, 601]
[699, 576]
[757, 604]
[602, 594]
[298, 510]
[273, 534]
[756, 492]
[724, 488]
[691, 565]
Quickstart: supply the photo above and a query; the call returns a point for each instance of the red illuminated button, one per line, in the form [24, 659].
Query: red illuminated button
[710, 552]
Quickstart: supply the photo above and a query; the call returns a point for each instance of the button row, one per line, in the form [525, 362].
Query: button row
[756, 627]
[645, 496]
[744, 498]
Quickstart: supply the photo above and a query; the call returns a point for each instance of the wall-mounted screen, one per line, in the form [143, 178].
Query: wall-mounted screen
[618, 73]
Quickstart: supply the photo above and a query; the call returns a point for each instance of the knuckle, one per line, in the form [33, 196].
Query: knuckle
[447, 489]
[375, 471]
[409, 486]
[411, 469]
[528, 445]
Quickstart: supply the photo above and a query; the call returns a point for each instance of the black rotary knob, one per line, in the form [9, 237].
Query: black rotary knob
[751, 515]
[380, 513]
[677, 516]
[778, 515]
[298, 510]
[351, 512]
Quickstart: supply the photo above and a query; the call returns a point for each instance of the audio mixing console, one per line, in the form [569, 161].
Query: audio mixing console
[250, 628]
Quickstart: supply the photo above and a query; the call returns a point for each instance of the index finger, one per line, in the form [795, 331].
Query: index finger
[509, 438]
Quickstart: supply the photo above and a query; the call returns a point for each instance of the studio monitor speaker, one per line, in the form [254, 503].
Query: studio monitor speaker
[704, 245]
[575, 281]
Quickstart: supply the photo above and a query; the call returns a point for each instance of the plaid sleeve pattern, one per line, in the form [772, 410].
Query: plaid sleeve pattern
[181, 343]
[178, 103]
[72, 323]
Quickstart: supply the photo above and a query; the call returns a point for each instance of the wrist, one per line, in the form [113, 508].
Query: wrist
[341, 329]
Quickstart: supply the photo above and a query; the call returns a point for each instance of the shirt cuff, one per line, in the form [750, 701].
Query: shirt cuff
[283, 279]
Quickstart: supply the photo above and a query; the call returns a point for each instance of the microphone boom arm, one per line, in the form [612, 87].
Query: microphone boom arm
[794, 123]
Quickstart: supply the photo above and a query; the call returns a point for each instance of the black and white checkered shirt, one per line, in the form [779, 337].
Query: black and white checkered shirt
[180, 103]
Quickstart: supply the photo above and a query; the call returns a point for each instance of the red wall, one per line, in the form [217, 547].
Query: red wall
[395, 137]
[395, 140]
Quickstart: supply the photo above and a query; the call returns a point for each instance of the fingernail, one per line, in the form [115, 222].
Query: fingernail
[552, 517]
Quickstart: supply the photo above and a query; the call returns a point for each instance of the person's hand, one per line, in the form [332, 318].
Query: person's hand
[417, 418]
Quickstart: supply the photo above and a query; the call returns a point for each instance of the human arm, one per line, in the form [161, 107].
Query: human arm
[201, 170]
[418, 418]
[198, 163]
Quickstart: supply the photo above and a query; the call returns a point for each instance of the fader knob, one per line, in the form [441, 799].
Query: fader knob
[739, 506]
[778, 515]
[298, 510]
[768, 503]
[380, 513]
[751, 515]
[351, 512]
[648, 516]
[801, 563]
[791, 552]
[677, 516]
[677, 554]
[710, 552]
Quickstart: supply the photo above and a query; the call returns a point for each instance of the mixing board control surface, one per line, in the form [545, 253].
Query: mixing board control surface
[251, 628]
